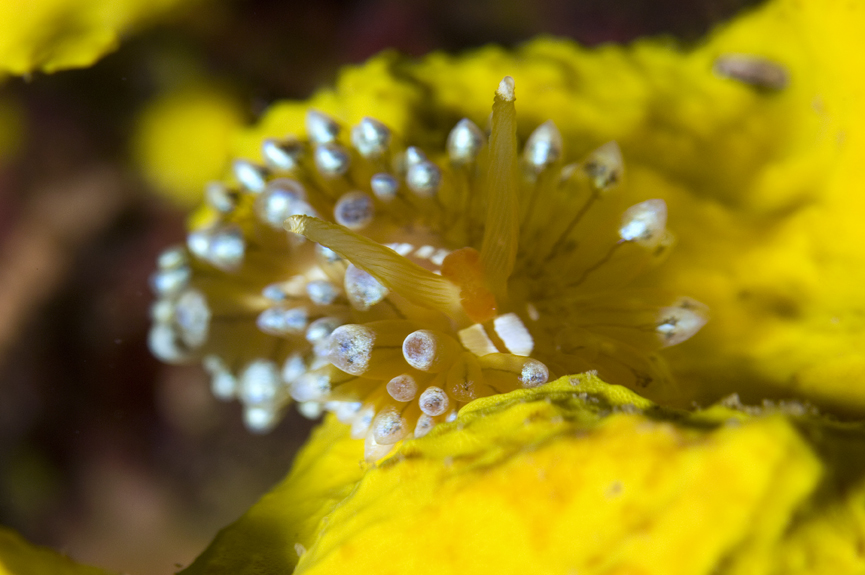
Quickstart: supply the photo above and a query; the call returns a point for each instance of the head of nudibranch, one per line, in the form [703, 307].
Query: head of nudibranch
[391, 285]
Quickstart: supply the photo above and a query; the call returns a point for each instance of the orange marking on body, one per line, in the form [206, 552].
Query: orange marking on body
[463, 267]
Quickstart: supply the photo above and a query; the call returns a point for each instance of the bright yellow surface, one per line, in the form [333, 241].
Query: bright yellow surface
[17, 557]
[764, 187]
[574, 477]
[51, 35]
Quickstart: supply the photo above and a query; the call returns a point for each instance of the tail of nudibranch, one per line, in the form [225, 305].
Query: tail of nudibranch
[356, 275]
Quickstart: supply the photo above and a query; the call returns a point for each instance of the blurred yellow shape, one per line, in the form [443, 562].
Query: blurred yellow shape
[18, 557]
[183, 140]
[51, 35]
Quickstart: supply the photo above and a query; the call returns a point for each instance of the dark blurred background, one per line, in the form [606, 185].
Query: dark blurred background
[105, 453]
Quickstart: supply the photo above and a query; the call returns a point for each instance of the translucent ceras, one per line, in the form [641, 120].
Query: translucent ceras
[392, 285]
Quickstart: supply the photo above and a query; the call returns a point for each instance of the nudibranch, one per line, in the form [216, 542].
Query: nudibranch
[388, 284]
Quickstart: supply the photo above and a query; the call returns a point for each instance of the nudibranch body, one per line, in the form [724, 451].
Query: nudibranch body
[391, 285]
